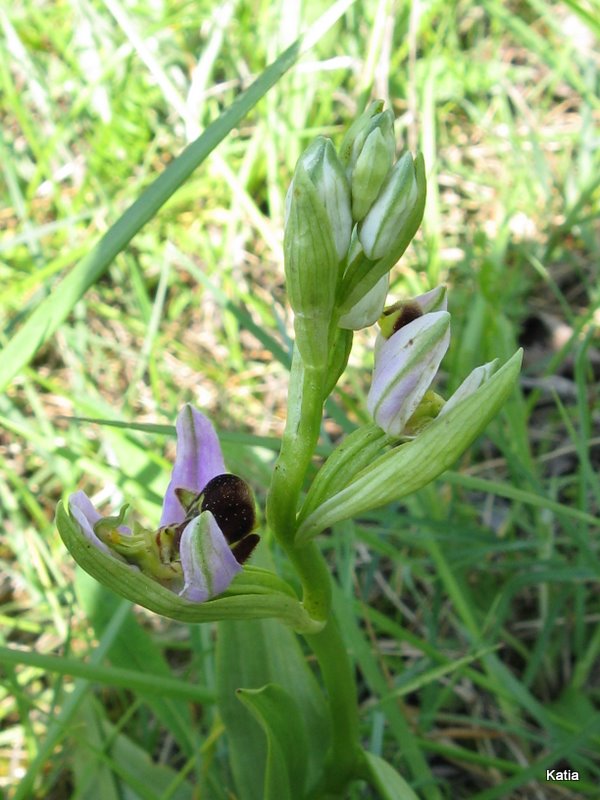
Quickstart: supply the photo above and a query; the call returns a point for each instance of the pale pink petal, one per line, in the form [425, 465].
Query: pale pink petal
[198, 460]
[208, 564]
[405, 366]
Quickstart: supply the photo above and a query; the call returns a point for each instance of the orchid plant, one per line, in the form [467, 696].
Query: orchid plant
[350, 214]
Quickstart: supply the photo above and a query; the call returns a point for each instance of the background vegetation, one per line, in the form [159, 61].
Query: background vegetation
[472, 608]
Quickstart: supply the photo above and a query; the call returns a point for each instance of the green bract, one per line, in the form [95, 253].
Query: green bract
[254, 593]
[353, 455]
[412, 465]
[316, 239]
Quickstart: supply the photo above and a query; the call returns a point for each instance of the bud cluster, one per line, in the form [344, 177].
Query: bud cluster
[349, 218]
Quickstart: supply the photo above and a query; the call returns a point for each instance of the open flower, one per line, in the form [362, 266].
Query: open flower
[414, 338]
[205, 528]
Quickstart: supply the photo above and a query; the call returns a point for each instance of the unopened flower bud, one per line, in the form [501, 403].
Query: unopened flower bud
[320, 165]
[368, 309]
[471, 383]
[356, 135]
[382, 231]
[373, 164]
[317, 236]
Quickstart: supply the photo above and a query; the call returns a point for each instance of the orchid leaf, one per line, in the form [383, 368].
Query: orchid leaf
[250, 655]
[383, 777]
[279, 716]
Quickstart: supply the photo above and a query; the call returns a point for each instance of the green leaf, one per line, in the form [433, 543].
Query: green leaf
[249, 656]
[503, 489]
[62, 723]
[48, 316]
[279, 716]
[92, 776]
[52, 311]
[413, 465]
[573, 704]
[375, 681]
[417, 682]
[355, 453]
[383, 777]
[228, 437]
[126, 678]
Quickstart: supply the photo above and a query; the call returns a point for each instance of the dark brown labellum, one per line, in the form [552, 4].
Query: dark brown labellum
[243, 549]
[230, 501]
[407, 312]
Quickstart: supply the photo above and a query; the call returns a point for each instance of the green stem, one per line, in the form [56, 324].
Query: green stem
[305, 409]
[338, 677]
[314, 574]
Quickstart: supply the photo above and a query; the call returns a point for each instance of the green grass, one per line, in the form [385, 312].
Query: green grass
[471, 609]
